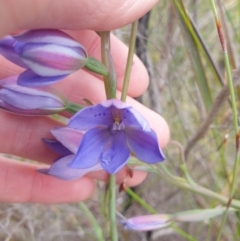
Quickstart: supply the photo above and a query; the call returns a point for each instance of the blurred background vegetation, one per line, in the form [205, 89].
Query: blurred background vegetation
[178, 42]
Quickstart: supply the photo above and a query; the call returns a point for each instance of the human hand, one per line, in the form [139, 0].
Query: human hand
[22, 136]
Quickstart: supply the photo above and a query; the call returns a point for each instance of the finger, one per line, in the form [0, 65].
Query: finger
[71, 14]
[36, 187]
[19, 182]
[22, 136]
[91, 41]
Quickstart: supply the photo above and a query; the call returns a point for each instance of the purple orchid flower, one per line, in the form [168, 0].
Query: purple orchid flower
[48, 55]
[29, 101]
[114, 130]
[66, 145]
[147, 222]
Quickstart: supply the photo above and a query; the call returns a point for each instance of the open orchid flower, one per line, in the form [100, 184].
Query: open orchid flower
[48, 55]
[114, 131]
[29, 101]
[66, 145]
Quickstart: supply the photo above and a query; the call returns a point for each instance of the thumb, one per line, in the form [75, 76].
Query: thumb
[71, 14]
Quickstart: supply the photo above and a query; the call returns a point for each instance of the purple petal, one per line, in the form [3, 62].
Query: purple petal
[70, 138]
[61, 170]
[26, 101]
[47, 36]
[30, 79]
[34, 112]
[93, 143]
[15, 110]
[144, 145]
[57, 147]
[130, 116]
[91, 117]
[117, 154]
[26, 98]
[51, 59]
[147, 222]
[7, 50]
[116, 103]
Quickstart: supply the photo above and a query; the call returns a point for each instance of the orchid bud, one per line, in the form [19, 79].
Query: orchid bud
[48, 55]
[29, 101]
[147, 222]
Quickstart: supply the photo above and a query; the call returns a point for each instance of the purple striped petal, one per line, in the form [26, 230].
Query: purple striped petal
[26, 98]
[93, 144]
[91, 117]
[51, 59]
[57, 147]
[26, 101]
[7, 50]
[70, 138]
[36, 112]
[117, 154]
[147, 222]
[144, 145]
[30, 79]
[61, 170]
[47, 36]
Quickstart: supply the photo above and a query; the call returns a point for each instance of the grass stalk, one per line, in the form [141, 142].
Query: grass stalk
[93, 221]
[234, 110]
[129, 61]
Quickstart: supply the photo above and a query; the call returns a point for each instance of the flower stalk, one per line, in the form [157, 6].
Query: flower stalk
[110, 80]
[140, 201]
[112, 208]
[129, 60]
[93, 221]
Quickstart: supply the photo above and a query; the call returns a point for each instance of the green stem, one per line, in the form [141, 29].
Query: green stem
[140, 201]
[182, 233]
[92, 219]
[129, 60]
[232, 93]
[234, 110]
[193, 187]
[110, 81]
[112, 208]
[73, 107]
